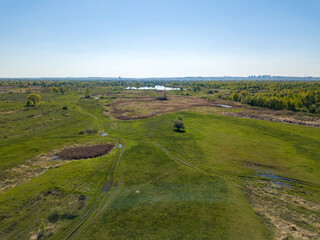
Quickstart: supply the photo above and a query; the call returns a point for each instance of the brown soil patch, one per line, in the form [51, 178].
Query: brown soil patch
[85, 152]
[144, 107]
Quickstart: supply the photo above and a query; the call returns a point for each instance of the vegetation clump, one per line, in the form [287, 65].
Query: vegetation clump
[81, 131]
[162, 98]
[178, 125]
[85, 152]
[58, 214]
[87, 93]
[33, 99]
[91, 131]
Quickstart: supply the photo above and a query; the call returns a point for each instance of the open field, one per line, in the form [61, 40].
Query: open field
[144, 107]
[230, 175]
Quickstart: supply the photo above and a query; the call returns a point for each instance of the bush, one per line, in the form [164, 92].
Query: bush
[91, 131]
[41, 104]
[58, 214]
[81, 132]
[315, 108]
[34, 98]
[162, 98]
[54, 216]
[43, 227]
[29, 104]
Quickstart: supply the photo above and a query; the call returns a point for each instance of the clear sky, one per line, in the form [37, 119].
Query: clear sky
[159, 38]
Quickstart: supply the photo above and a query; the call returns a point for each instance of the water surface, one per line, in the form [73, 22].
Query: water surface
[156, 87]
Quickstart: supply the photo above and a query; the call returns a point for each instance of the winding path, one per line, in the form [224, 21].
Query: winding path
[172, 156]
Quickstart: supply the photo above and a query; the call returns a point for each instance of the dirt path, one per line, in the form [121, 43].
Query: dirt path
[172, 156]
[73, 230]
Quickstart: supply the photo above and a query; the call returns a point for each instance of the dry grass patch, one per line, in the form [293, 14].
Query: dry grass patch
[26, 171]
[291, 216]
[144, 107]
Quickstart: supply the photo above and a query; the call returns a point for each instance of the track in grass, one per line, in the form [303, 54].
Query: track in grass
[172, 156]
[76, 228]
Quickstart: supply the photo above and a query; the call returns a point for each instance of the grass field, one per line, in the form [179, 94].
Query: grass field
[245, 178]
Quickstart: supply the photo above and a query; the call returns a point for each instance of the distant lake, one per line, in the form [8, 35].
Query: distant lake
[156, 87]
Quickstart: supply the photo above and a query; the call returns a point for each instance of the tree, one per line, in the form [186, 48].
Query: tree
[34, 98]
[62, 90]
[55, 89]
[178, 125]
[87, 94]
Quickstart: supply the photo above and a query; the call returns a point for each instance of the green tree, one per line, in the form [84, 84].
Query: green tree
[178, 125]
[55, 89]
[62, 89]
[87, 94]
[34, 98]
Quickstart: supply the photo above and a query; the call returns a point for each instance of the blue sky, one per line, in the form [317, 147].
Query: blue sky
[159, 38]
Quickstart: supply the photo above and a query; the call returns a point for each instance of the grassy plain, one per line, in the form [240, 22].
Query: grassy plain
[153, 196]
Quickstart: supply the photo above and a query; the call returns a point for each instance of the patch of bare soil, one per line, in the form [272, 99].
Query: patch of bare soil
[85, 152]
[291, 216]
[147, 106]
[26, 171]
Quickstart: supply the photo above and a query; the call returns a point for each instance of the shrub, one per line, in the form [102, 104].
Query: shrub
[162, 98]
[91, 131]
[43, 227]
[81, 132]
[178, 125]
[87, 94]
[41, 104]
[29, 104]
[34, 98]
[58, 214]
[54, 216]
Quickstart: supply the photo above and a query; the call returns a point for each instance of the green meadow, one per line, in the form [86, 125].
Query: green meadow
[153, 195]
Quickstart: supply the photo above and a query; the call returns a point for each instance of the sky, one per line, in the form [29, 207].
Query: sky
[159, 38]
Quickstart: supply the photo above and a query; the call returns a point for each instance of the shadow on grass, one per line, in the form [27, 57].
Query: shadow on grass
[179, 130]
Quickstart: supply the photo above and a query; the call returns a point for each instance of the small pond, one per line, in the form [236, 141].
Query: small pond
[156, 87]
[224, 106]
